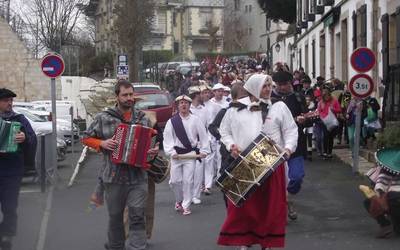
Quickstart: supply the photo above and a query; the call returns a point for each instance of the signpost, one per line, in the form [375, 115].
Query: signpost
[53, 66]
[122, 67]
[360, 86]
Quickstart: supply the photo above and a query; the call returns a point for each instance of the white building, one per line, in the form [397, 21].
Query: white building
[182, 26]
[330, 30]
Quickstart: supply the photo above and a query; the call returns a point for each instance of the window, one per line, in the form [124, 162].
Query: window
[250, 8]
[237, 5]
[246, 8]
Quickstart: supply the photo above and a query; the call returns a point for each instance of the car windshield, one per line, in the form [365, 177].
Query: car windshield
[152, 101]
[173, 66]
[29, 115]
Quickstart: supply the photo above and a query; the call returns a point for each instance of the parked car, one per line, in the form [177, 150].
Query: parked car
[158, 101]
[185, 67]
[40, 125]
[144, 86]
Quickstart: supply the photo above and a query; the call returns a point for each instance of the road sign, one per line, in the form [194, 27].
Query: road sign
[122, 60]
[122, 72]
[361, 85]
[52, 65]
[362, 59]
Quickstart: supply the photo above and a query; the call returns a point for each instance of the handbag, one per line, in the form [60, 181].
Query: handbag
[330, 121]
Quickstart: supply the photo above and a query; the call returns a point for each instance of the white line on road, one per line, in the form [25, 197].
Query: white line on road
[45, 220]
[29, 191]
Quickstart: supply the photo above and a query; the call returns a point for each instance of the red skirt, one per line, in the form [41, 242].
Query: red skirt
[262, 218]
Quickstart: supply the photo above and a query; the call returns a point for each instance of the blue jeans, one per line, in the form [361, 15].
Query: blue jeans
[296, 174]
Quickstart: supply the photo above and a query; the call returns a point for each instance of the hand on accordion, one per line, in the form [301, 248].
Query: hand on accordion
[109, 144]
[20, 137]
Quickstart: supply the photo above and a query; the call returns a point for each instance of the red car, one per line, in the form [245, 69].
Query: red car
[158, 101]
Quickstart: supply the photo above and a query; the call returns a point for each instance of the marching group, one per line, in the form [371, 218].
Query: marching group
[220, 111]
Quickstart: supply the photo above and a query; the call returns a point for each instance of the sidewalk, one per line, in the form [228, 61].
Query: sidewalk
[344, 155]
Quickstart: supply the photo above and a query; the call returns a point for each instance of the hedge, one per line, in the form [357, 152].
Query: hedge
[213, 55]
[156, 56]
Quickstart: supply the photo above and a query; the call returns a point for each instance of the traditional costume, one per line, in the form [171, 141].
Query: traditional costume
[184, 135]
[201, 112]
[262, 218]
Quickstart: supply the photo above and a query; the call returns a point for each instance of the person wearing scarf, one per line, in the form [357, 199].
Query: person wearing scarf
[262, 218]
[12, 168]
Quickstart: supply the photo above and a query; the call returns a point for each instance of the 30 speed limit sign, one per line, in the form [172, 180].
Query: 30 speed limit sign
[361, 85]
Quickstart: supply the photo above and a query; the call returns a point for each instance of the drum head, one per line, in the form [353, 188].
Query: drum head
[159, 169]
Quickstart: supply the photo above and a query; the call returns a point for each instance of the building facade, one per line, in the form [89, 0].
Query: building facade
[185, 27]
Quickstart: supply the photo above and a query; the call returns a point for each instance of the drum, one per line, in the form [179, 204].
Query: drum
[159, 169]
[8, 131]
[133, 143]
[250, 170]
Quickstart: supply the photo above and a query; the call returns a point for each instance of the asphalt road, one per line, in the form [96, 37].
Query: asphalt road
[331, 215]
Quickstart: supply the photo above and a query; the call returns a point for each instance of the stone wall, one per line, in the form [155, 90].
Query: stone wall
[19, 71]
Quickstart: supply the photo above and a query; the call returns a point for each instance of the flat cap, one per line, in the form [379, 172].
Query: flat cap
[6, 93]
[282, 77]
[194, 89]
[183, 97]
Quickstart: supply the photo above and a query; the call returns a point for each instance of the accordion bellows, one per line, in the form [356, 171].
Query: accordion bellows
[133, 143]
[8, 131]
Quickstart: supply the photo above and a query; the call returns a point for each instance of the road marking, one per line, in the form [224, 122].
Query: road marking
[29, 191]
[45, 220]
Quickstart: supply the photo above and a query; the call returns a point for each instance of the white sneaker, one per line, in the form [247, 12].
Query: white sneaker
[186, 211]
[196, 201]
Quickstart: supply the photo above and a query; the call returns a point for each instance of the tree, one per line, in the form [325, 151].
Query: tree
[276, 10]
[133, 26]
[52, 22]
[235, 35]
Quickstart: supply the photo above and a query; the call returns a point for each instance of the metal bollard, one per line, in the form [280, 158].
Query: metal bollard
[43, 164]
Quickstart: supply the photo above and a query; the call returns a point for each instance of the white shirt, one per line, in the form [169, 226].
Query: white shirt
[194, 130]
[242, 127]
[201, 112]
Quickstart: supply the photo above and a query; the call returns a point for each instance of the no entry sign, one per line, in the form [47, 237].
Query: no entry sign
[361, 86]
[362, 59]
[52, 65]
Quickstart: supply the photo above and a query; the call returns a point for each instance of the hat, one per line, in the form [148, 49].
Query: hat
[255, 83]
[282, 77]
[194, 89]
[227, 89]
[6, 93]
[389, 159]
[218, 86]
[183, 97]
[306, 79]
[203, 87]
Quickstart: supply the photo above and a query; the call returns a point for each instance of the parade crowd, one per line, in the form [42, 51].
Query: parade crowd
[222, 107]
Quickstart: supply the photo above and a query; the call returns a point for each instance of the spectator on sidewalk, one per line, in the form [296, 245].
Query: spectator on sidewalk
[328, 105]
[12, 168]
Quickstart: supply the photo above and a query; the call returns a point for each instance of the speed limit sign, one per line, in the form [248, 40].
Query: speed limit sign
[361, 85]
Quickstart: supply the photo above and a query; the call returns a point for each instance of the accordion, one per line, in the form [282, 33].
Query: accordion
[8, 131]
[133, 142]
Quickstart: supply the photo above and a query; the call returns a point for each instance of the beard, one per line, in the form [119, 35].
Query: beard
[126, 104]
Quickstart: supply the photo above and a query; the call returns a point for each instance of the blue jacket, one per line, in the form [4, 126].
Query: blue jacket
[12, 164]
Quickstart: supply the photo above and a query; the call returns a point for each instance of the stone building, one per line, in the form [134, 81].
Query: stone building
[182, 26]
[19, 71]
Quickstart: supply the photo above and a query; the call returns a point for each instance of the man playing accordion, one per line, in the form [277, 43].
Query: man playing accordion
[262, 218]
[124, 185]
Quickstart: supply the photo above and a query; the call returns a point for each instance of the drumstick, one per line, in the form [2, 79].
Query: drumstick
[188, 156]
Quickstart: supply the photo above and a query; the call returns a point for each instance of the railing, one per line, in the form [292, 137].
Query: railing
[392, 105]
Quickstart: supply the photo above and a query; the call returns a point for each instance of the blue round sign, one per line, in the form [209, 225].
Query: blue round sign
[363, 59]
[52, 65]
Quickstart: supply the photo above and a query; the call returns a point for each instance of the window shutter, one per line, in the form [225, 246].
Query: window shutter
[354, 19]
[385, 47]
[363, 31]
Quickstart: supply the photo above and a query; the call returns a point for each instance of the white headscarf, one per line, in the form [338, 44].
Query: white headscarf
[255, 84]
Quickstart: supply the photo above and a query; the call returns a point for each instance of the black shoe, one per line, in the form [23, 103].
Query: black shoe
[291, 213]
[106, 246]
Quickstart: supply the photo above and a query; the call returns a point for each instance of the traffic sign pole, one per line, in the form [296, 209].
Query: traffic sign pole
[356, 146]
[53, 66]
[54, 134]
